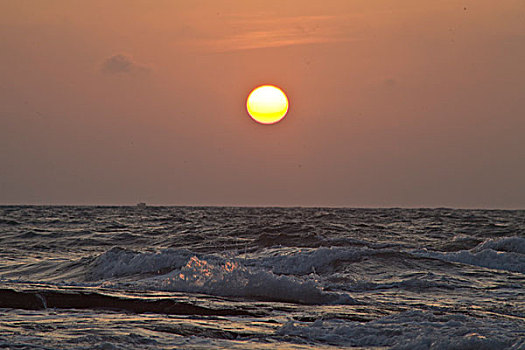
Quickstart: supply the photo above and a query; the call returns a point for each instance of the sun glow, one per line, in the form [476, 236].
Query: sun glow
[267, 104]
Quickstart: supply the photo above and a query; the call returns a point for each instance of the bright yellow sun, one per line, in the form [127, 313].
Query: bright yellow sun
[267, 104]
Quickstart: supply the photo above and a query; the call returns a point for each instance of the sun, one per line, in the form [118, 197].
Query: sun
[267, 104]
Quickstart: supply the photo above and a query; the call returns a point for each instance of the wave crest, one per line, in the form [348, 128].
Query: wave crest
[119, 262]
[505, 253]
[231, 279]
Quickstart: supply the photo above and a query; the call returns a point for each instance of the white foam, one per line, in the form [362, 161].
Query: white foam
[182, 271]
[410, 330]
[119, 262]
[505, 244]
[232, 279]
[313, 260]
[500, 254]
[485, 258]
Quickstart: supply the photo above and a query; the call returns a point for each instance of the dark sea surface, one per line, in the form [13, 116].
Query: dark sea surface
[261, 278]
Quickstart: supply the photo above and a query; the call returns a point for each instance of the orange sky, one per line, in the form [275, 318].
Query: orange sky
[392, 103]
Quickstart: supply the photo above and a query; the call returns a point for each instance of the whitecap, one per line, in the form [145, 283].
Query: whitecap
[500, 254]
[232, 279]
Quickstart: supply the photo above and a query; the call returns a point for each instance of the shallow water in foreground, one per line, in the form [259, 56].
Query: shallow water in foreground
[261, 278]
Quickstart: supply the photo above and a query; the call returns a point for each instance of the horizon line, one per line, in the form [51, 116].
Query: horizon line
[258, 206]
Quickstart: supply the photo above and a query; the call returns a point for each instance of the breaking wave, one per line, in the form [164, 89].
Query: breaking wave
[231, 279]
[119, 262]
[182, 271]
[501, 254]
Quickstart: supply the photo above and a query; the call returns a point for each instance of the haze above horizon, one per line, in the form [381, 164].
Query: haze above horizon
[405, 104]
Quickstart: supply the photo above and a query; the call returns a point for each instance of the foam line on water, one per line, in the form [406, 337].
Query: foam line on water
[410, 330]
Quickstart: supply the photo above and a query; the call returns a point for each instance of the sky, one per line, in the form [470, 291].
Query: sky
[404, 103]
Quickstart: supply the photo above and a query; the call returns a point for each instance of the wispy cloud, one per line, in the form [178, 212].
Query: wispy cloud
[257, 32]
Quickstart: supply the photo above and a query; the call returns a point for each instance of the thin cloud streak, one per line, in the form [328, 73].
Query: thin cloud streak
[268, 39]
[261, 32]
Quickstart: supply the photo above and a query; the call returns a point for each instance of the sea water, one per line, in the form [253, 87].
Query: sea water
[261, 278]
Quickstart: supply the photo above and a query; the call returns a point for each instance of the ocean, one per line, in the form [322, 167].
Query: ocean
[86, 277]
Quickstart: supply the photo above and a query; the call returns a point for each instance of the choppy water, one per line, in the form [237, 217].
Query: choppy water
[261, 278]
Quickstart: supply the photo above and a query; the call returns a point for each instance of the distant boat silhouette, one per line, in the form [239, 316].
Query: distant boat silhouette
[141, 205]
